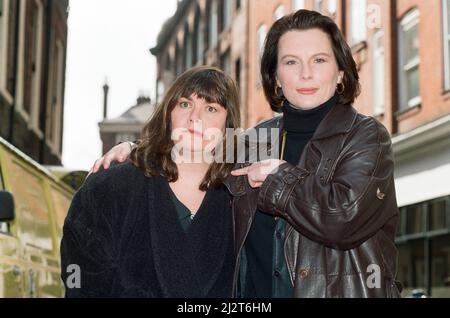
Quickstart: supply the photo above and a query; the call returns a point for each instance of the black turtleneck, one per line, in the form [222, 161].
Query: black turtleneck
[267, 275]
[300, 126]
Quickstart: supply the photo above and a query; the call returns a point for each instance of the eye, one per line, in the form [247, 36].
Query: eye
[290, 62]
[320, 60]
[184, 105]
[211, 109]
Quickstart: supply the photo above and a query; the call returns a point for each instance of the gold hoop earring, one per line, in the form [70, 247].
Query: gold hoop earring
[340, 88]
[278, 91]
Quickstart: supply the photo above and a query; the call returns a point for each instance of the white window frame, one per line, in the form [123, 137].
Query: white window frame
[33, 117]
[188, 49]
[297, 5]
[227, 14]
[358, 14]
[4, 33]
[332, 7]
[200, 49]
[379, 66]
[56, 116]
[213, 25]
[446, 34]
[410, 20]
[318, 5]
[278, 13]
[260, 38]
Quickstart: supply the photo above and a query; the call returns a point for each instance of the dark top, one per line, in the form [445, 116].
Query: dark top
[123, 232]
[185, 216]
[265, 241]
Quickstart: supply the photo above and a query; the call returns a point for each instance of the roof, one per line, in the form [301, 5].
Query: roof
[137, 114]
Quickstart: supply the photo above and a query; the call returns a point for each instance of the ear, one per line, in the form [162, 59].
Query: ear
[340, 77]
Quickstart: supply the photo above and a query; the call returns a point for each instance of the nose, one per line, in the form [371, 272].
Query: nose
[194, 116]
[306, 72]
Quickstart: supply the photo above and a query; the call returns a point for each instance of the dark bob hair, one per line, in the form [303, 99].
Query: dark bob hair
[306, 20]
[153, 154]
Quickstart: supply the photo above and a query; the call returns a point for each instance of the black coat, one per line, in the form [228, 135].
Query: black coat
[123, 231]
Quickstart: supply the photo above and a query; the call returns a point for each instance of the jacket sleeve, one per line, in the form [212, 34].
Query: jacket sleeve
[348, 207]
[87, 264]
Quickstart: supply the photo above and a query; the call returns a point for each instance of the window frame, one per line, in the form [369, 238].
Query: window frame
[57, 93]
[378, 54]
[318, 5]
[332, 9]
[356, 25]
[407, 22]
[446, 42]
[4, 38]
[261, 35]
[298, 5]
[32, 115]
[278, 13]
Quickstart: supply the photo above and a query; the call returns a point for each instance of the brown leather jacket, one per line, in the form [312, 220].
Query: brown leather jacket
[340, 205]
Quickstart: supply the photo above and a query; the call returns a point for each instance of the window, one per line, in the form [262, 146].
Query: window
[440, 266]
[424, 258]
[378, 73]
[446, 27]
[3, 43]
[225, 62]
[55, 115]
[279, 13]
[213, 25]
[187, 48]
[32, 62]
[411, 266]
[226, 14]
[332, 6]
[437, 215]
[318, 5]
[409, 60]
[178, 60]
[125, 136]
[297, 5]
[414, 219]
[198, 38]
[10, 9]
[5, 54]
[358, 21]
[260, 38]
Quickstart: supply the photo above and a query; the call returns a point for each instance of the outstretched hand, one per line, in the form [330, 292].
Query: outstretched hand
[258, 171]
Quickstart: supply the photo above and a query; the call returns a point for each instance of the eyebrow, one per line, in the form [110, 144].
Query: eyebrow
[290, 55]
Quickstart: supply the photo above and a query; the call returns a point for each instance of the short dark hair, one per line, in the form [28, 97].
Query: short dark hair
[306, 20]
[154, 153]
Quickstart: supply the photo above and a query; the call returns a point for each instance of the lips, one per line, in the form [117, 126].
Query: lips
[195, 132]
[307, 91]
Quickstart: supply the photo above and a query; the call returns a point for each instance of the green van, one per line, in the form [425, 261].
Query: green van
[33, 204]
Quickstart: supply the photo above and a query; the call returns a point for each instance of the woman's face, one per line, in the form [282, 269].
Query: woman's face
[306, 68]
[196, 124]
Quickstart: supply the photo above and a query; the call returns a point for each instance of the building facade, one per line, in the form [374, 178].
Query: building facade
[33, 41]
[402, 49]
[127, 126]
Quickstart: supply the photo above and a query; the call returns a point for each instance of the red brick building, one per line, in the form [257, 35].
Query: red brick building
[402, 48]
